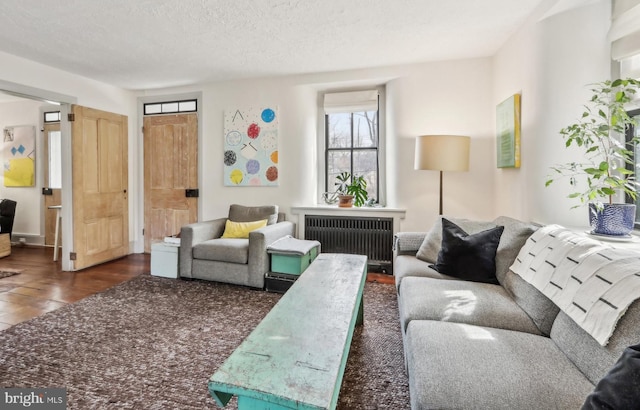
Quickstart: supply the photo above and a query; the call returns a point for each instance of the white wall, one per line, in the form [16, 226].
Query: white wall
[448, 97]
[550, 60]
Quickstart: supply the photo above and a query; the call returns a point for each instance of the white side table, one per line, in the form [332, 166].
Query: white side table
[164, 260]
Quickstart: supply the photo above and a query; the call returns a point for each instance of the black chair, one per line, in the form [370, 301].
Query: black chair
[7, 214]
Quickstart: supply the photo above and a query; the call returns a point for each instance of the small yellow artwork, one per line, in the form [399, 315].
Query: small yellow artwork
[21, 172]
[19, 156]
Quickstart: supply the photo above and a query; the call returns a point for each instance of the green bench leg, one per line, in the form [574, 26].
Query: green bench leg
[360, 318]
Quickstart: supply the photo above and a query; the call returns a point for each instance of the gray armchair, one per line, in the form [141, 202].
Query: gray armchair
[205, 255]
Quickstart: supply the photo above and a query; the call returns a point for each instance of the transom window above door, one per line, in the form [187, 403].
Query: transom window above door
[171, 107]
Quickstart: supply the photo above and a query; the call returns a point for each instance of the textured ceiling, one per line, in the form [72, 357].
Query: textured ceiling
[144, 44]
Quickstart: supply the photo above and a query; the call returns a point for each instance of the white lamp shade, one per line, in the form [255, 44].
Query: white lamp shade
[442, 152]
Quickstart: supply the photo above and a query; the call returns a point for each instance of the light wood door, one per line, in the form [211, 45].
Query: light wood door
[54, 197]
[100, 183]
[170, 169]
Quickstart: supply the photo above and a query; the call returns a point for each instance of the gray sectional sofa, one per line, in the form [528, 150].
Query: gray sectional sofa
[472, 345]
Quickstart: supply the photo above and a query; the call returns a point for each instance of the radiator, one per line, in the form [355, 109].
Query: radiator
[372, 237]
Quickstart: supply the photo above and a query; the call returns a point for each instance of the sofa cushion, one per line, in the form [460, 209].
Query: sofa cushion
[223, 250]
[620, 387]
[239, 213]
[430, 247]
[539, 307]
[513, 238]
[588, 355]
[480, 304]
[459, 366]
[468, 256]
[405, 266]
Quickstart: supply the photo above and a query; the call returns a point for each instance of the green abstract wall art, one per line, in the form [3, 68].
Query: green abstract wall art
[508, 132]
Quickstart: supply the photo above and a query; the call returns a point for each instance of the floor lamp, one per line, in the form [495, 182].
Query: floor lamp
[442, 153]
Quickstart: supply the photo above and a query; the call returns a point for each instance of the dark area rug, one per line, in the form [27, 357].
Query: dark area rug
[153, 343]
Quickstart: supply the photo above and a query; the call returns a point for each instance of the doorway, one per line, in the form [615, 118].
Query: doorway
[170, 174]
[52, 167]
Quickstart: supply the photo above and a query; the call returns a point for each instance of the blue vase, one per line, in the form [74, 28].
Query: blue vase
[613, 219]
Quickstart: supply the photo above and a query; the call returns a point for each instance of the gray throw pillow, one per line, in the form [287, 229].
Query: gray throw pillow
[430, 247]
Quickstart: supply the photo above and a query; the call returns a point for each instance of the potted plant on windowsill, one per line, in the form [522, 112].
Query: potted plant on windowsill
[351, 190]
[608, 167]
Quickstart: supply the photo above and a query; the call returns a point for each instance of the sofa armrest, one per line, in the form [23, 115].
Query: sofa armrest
[407, 243]
[259, 240]
[193, 234]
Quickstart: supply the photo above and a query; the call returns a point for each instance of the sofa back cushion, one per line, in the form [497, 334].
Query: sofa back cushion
[539, 307]
[593, 359]
[240, 213]
[513, 238]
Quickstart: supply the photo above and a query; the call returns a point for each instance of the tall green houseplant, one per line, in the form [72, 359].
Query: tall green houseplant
[608, 166]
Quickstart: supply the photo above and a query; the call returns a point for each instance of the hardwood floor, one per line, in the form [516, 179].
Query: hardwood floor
[42, 286]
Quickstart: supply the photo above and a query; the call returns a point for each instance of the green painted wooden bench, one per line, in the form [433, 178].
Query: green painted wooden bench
[295, 358]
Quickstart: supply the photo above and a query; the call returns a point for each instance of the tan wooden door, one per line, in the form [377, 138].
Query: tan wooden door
[170, 169]
[100, 182]
[54, 197]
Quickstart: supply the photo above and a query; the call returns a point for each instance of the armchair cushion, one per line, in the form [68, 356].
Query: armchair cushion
[223, 250]
[242, 229]
[239, 213]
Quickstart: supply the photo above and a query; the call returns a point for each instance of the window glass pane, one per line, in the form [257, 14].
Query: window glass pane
[184, 106]
[337, 163]
[365, 163]
[52, 116]
[365, 129]
[170, 107]
[152, 108]
[339, 130]
[55, 159]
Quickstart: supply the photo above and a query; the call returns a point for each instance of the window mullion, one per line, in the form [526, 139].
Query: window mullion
[351, 148]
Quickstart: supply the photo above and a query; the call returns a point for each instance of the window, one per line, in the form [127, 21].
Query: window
[51, 116]
[634, 132]
[171, 107]
[352, 138]
[55, 159]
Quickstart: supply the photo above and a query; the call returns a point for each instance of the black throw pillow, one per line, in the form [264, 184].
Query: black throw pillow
[468, 257]
[620, 387]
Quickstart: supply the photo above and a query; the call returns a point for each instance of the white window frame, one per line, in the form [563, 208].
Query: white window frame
[321, 141]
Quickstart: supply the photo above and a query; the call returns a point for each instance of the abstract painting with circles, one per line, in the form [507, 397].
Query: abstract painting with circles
[251, 147]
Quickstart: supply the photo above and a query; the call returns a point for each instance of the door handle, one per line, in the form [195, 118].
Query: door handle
[192, 193]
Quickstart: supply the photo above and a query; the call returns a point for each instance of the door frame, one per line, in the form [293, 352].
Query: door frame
[65, 101]
[139, 208]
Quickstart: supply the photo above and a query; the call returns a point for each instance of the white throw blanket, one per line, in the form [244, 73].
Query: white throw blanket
[592, 283]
